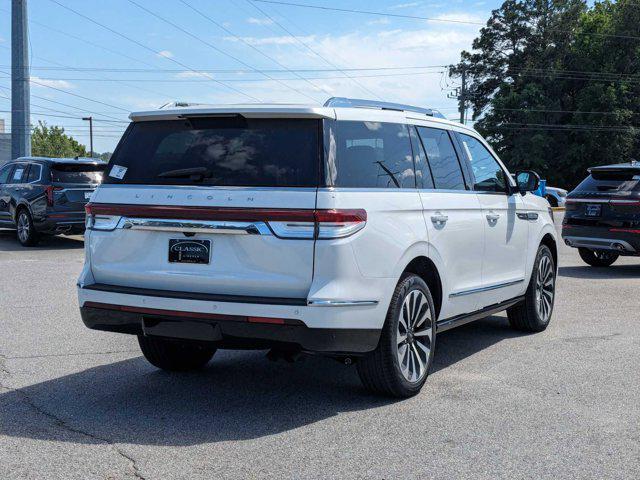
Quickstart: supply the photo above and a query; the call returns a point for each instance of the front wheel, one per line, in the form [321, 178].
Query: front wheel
[534, 314]
[175, 355]
[597, 258]
[400, 364]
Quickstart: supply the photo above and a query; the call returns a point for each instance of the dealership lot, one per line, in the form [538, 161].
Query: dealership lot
[81, 404]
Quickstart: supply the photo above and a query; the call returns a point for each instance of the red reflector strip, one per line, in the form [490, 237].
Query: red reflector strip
[183, 314]
[341, 216]
[625, 230]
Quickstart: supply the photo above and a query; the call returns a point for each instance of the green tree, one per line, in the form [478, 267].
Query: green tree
[550, 85]
[53, 142]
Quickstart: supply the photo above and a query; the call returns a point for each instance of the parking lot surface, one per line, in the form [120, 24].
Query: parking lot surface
[79, 404]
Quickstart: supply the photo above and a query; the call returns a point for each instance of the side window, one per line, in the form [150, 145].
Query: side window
[368, 155]
[423, 172]
[4, 174]
[18, 173]
[489, 176]
[445, 167]
[34, 173]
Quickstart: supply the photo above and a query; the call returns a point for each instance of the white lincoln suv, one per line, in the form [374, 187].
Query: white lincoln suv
[358, 230]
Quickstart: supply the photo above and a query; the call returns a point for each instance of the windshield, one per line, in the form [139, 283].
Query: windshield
[225, 151]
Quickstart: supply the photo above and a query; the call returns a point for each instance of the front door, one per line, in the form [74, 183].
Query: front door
[506, 226]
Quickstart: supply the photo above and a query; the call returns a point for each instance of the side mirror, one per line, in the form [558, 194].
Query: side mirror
[527, 181]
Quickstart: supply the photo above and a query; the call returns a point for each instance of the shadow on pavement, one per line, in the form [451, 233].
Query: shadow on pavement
[9, 242]
[240, 395]
[588, 272]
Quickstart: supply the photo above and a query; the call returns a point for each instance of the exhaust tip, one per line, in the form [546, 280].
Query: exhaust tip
[619, 247]
[567, 242]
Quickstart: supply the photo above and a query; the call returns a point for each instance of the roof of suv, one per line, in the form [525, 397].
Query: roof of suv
[277, 110]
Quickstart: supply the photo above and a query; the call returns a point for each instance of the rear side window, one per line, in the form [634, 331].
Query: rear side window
[34, 172]
[612, 181]
[489, 176]
[445, 167]
[69, 173]
[225, 151]
[368, 155]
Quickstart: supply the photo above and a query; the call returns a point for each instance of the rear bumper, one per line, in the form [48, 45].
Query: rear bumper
[233, 322]
[602, 238]
[61, 222]
[228, 331]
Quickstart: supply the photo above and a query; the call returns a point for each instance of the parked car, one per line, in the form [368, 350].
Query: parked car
[556, 196]
[46, 195]
[358, 230]
[602, 218]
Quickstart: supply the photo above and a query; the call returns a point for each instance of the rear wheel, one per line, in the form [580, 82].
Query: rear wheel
[598, 258]
[175, 355]
[534, 314]
[26, 232]
[400, 364]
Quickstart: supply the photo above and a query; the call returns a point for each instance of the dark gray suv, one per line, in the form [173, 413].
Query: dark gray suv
[46, 195]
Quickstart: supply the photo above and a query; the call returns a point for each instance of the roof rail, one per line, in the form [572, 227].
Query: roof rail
[360, 103]
[178, 104]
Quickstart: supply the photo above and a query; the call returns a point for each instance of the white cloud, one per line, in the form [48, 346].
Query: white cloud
[191, 74]
[380, 21]
[165, 54]
[283, 40]
[405, 5]
[47, 82]
[260, 21]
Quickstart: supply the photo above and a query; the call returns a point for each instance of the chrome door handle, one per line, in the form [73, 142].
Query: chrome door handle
[493, 217]
[439, 219]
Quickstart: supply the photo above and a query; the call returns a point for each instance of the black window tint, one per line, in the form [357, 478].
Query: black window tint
[228, 151]
[4, 174]
[489, 176]
[423, 172]
[442, 158]
[368, 155]
[19, 173]
[69, 173]
[34, 172]
[611, 181]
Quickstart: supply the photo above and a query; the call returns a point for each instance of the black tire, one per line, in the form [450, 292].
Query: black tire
[25, 230]
[598, 258]
[175, 355]
[531, 315]
[381, 371]
[552, 200]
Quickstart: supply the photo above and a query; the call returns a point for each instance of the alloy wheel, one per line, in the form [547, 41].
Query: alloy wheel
[24, 227]
[414, 336]
[545, 288]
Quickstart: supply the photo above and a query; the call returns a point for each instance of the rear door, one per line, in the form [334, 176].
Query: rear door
[220, 205]
[73, 184]
[453, 217]
[5, 194]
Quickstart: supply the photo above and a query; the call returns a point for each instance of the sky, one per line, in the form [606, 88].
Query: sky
[231, 51]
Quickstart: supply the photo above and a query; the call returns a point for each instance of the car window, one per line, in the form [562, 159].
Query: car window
[489, 176]
[4, 173]
[34, 173]
[18, 173]
[442, 158]
[83, 173]
[424, 178]
[368, 155]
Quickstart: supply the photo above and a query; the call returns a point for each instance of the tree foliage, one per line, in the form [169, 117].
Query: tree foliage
[555, 85]
[53, 142]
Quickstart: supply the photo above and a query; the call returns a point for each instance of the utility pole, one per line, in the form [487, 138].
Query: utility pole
[90, 120]
[20, 99]
[462, 98]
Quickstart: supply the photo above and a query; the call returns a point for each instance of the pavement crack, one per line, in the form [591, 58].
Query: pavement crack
[62, 424]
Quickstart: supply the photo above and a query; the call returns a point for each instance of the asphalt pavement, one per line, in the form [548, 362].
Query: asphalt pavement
[80, 404]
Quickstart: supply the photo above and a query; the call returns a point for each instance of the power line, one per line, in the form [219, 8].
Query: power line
[219, 50]
[305, 45]
[142, 45]
[253, 47]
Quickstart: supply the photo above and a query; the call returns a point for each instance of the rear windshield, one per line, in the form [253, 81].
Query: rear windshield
[225, 151]
[64, 173]
[615, 182]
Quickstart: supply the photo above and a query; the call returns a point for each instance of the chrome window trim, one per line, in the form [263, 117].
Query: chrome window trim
[486, 289]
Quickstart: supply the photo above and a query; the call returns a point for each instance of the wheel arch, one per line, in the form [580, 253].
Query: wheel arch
[427, 270]
[550, 242]
[19, 206]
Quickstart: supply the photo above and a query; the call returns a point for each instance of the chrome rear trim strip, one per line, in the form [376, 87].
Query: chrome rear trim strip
[341, 303]
[486, 289]
[195, 226]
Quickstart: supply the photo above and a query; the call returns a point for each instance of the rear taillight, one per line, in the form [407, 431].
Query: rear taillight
[48, 191]
[96, 221]
[321, 224]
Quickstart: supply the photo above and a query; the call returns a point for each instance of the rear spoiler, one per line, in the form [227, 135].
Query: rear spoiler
[630, 169]
[244, 111]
